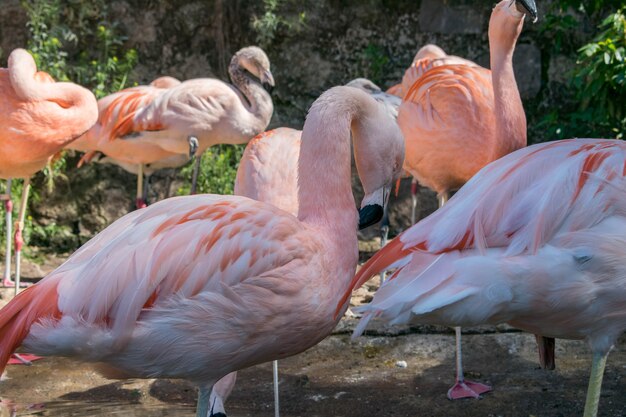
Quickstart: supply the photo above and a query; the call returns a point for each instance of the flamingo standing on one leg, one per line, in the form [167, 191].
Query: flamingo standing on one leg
[536, 239]
[458, 118]
[38, 117]
[145, 124]
[268, 172]
[220, 280]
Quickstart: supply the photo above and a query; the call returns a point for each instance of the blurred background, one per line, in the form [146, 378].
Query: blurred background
[569, 66]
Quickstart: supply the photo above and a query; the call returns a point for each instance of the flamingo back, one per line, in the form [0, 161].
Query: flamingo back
[268, 169]
[447, 118]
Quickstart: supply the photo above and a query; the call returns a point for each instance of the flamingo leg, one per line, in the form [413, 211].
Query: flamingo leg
[8, 206]
[462, 388]
[276, 403]
[209, 404]
[197, 160]
[384, 232]
[414, 201]
[595, 384]
[146, 188]
[19, 227]
[139, 201]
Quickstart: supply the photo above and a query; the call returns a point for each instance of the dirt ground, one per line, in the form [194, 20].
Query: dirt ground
[388, 372]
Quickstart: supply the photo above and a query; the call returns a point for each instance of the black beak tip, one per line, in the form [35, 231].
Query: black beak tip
[268, 87]
[369, 215]
[530, 8]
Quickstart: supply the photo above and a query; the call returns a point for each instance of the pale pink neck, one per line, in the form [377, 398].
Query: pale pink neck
[325, 197]
[509, 111]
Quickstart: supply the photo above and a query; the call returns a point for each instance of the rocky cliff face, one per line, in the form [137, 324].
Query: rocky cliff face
[338, 40]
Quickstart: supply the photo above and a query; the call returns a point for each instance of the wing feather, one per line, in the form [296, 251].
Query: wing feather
[516, 204]
[169, 249]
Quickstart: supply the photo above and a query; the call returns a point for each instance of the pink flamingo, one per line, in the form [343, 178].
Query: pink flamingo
[458, 118]
[145, 124]
[535, 239]
[200, 286]
[38, 117]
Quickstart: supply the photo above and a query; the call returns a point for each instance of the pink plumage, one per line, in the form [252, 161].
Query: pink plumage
[200, 286]
[535, 239]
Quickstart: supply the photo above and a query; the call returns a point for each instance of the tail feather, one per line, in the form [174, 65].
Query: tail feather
[383, 259]
[20, 313]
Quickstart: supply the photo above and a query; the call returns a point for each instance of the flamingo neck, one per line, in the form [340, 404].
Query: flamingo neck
[509, 111]
[254, 97]
[325, 197]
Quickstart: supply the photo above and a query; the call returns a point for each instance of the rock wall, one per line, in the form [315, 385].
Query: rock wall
[338, 40]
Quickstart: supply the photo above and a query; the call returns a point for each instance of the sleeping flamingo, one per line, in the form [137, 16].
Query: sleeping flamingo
[38, 117]
[145, 124]
[458, 118]
[197, 287]
[535, 239]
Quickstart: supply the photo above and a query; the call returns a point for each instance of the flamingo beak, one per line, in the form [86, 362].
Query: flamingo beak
[528, 7]
[372, 207]
[267, 80]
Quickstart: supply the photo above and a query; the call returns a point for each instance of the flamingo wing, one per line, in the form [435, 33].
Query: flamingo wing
[118, 112]
[515, 205]
[179, 247]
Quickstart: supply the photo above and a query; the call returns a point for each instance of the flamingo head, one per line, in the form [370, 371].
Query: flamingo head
[256, 62]
[379, 158]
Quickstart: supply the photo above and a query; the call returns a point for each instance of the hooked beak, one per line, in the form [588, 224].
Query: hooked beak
[528, 7]
[267, 80]
[372, 207]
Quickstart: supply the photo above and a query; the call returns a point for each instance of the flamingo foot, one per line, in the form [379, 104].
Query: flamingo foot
[9, 283]
[140, 203]
[23, 359]
[467, 389]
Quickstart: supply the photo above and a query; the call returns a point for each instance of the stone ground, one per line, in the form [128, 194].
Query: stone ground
[341, 377]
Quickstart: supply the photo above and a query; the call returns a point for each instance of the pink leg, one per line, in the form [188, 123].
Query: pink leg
[8, 207]
[464, 388]
[413, 200]
[19, 242]
[140, 202]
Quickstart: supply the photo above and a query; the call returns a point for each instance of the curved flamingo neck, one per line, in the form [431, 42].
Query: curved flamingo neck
[509, 111]
[255, 99]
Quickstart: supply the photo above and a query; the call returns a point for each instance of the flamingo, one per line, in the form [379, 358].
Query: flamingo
[145, 124]
[458, 118]
[535, 239]
[199, 286]
[38, 117]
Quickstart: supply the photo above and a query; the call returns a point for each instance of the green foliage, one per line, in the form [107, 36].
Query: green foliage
[374, 62]
[65, 44]
[217, 170]
[271, 23]
[593, 105]
[600, 76]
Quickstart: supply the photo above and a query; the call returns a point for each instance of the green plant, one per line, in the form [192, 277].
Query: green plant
[271, 22]
[600, 76]
[591, 104]
[374, 62]
[97, 59]
[218, 170]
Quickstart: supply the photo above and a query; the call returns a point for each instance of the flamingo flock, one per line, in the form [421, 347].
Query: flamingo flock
[199, 287]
